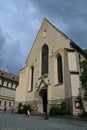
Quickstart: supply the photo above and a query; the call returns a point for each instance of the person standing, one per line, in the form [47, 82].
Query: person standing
[5, 109]
[28, 112]
[12, 109]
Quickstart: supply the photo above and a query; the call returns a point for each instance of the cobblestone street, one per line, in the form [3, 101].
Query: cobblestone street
[21, 122]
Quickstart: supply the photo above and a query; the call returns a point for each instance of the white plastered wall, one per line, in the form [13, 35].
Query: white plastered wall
[72, 61]
[21, 90]
[74, 74]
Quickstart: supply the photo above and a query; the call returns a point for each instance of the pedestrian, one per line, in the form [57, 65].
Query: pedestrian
[27, 113]
[12, 109]
[5, 109]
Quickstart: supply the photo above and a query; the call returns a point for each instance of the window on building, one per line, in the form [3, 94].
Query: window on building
[59, 69]
[44, 33]
[0, 103]
[5, 103]
[32, 77]
[45, 55]
[9, 85]
[14, 86]
[9, 104]
[0, 82]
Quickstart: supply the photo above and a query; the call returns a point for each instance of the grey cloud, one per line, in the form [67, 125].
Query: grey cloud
[2, 43]
[13, 58]
[55, 8]
[21, 20]
[2, 39]
[72, 12]
[78, 36]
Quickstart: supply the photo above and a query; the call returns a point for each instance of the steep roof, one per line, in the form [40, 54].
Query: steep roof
[64, 35]
[73, 44]
[9, 76]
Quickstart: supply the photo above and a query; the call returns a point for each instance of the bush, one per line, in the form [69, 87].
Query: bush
[20, 108]
[64, 108]
[23, 108]
[54, 110]
[27, 107]
[61, 109]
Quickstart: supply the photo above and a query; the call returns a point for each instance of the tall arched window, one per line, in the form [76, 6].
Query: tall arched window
[45, 55]
[32, 77]
[59, 69]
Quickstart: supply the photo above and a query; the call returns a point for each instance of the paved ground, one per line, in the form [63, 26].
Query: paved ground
[21, 122]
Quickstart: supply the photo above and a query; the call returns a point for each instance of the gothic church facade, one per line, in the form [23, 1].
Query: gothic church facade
[52, 72]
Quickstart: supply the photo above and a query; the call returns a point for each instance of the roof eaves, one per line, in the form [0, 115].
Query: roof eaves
[75, 46]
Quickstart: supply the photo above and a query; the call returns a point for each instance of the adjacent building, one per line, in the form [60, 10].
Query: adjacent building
[52, 72]
[8, 85]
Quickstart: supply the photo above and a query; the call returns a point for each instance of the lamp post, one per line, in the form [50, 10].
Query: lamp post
[46, 116]
[36, 98]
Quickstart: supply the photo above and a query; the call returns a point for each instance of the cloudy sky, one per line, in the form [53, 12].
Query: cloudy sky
[20, 21]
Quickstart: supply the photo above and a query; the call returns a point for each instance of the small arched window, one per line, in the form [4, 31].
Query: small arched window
[32, 77]
[45, 55]
[59, 69]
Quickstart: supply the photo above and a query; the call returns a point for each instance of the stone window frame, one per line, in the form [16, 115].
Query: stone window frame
[32, 77]
[45, 59]
[59, 69]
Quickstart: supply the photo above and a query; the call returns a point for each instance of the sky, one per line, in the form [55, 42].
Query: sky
[20, 21]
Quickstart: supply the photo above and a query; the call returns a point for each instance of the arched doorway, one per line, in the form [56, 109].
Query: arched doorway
[43, 94]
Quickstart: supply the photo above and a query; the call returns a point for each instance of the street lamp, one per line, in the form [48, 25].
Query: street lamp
[46, 116]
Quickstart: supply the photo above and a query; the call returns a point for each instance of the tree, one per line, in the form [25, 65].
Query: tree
[84, 76]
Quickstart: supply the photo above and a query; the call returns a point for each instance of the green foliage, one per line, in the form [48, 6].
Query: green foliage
[20, 105]
[23, 108]
[54, 110]
[84, 76]
[64, 108]
[27, 107]
[85, 51]
[61, 109]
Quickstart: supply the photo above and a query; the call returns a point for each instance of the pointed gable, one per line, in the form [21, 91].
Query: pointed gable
[49, 34]
[53, 37]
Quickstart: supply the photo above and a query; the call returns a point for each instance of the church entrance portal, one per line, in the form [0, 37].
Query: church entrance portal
[43, 94]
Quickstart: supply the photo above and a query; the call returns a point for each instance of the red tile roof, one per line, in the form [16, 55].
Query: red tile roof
[10, 76]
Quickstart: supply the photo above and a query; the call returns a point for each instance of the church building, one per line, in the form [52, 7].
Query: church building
[52, 72]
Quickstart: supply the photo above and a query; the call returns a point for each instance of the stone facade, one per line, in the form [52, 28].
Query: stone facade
[8, 85]
[52, 71]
